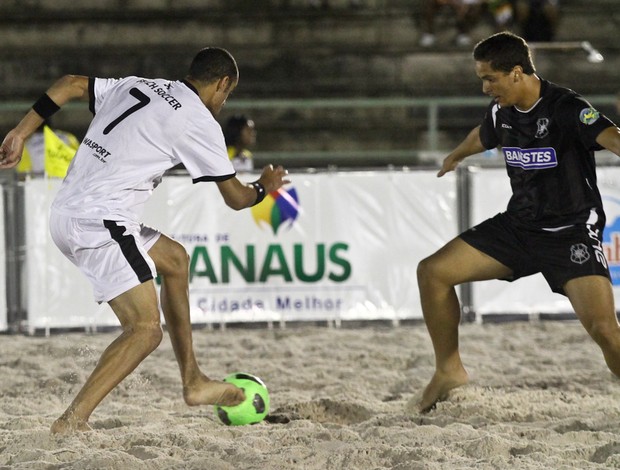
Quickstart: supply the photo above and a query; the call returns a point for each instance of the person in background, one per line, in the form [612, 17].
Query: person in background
[502, 14]
[554, 221]
[466, 13]
[240, 136]
[48, 152]
[141, 128]
[538, 19]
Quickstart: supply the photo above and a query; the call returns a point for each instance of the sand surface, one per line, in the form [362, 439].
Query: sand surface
[541, 397]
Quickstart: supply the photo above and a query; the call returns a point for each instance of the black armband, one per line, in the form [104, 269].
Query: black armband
[45, 106]
[260, 192]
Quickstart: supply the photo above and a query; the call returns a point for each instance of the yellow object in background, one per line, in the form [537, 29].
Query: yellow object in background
[58, 154]
[48, 151]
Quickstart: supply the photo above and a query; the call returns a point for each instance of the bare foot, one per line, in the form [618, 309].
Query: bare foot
[205, 391]
[64, 425]
[439, 388]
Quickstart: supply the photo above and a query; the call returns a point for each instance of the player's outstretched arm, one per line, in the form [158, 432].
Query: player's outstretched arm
[66, 89]
[238, 195]
[610, 139]
[469, 146]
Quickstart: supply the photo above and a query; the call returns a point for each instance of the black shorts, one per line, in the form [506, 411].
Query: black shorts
[560, 255]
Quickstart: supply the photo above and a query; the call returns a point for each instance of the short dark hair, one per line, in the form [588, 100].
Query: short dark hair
[233, 128]
[503, 51]
[213, 63]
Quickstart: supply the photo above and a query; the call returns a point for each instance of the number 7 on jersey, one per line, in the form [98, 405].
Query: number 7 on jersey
[143, 100]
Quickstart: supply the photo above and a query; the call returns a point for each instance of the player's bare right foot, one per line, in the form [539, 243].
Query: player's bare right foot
[439, 388]
[63, 426]
[212, 392]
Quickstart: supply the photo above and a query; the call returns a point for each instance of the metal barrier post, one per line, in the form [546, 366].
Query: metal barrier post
[464, 205]
[15, 249]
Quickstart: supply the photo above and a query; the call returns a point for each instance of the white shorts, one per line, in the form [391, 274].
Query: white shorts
[113, 255]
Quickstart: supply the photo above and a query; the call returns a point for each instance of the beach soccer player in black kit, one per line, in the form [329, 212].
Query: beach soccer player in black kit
[554, 221]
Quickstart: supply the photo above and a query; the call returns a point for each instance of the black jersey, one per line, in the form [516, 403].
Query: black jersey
[549, 155]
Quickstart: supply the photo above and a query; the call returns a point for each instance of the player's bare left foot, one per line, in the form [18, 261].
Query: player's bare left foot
[439, 388]
[205, 391]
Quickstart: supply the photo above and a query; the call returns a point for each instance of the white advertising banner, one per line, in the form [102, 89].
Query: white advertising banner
[490, 195]
[58, 296]
[609, 184]
[3, 306]
[330, 246]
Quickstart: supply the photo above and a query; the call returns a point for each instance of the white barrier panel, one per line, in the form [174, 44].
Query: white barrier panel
[336, 246]
[490, 195]
[347, 246]
[609, 184]
[3, 317]
[58, 296]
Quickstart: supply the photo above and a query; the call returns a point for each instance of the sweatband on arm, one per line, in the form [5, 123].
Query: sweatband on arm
[260, 192]
[45, 106]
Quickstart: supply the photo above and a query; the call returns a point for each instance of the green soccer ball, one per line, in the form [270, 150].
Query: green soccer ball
[255, 406]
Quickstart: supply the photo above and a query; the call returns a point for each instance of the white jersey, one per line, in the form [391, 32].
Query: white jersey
[142, 127]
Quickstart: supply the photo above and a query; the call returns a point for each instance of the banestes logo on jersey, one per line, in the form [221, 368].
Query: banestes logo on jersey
[531, 159]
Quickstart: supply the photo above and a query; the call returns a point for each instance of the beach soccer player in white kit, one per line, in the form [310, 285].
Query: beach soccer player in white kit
[141, 128]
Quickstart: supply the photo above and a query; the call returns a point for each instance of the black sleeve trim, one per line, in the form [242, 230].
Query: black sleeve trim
[213, 178]
[91, 95]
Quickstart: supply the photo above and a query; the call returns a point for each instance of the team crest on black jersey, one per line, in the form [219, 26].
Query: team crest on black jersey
[542, 128]
[589, 116]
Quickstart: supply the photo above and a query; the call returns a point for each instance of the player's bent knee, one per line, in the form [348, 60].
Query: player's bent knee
[150, 335]
[604, 335]
[175, 262]
[180, 258]
[427, 270]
